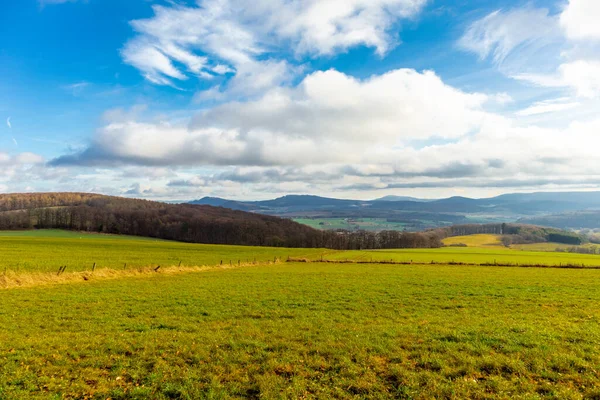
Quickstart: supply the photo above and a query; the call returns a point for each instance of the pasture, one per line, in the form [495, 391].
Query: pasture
[295, 330]
[481, 240]
[46, 251]
[307, 330]
[367, 224]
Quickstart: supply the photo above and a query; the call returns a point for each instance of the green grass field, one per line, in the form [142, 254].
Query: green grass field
[307, 330]
[367, 224]
[295, 330]
[46, 251]
[474, 240]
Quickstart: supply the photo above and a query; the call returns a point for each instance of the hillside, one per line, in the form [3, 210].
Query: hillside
[569, 220]
[184, 222]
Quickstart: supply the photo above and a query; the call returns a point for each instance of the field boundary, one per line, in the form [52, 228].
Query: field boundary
[455, 263]
[12, 279]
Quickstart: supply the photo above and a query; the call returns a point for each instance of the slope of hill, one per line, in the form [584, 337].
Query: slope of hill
[569, 220]
[183, 222]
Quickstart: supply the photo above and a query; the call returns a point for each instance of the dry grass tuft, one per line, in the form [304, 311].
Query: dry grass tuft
[12, 279]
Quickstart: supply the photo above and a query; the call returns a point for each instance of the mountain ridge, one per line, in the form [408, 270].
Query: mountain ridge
[509, 207]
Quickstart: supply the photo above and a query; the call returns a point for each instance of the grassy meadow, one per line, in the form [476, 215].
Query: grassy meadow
[482, 240]
[46, 251]
[367, 224]
[307, 331]
[295, 330]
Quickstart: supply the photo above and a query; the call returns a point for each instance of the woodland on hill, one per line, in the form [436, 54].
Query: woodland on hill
[217, 225]
[185, 222]
[513, 233]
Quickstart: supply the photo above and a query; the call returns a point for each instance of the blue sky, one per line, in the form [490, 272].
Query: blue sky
[353, 98]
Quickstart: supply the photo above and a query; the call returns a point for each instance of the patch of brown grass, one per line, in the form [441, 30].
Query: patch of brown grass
[12, 279]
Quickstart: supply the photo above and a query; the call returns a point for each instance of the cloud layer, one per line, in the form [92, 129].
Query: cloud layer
[293, 126]
[402, 129]
[269, 122]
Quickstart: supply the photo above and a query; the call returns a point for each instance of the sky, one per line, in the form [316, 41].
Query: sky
[177, 100]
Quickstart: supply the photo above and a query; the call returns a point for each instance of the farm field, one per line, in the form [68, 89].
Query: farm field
[469, 255]
[486, 241]
[474, 240]
[307, 331]
[367, 224]
[46, 251]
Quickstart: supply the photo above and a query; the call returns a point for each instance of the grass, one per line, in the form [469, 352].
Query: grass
[482, 240]
[293, 330]
[368, 224]
[57, 233]
[307, 331]
[46, 251]
[470, 255]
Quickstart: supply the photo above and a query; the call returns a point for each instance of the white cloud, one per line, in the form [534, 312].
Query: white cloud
[18, 168]
[583, 77]
[511, 38]
[548, 106]
[386, 108]
[397, 130]
[580, 19]
[77, 89]
[530, 45]
[291, 126]
[224, 36]
[151, 61]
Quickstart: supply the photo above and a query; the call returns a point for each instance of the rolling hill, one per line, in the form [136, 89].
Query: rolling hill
[184, 222]
[412, 211]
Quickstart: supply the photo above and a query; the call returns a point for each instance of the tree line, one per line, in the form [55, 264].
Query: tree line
[514, 233]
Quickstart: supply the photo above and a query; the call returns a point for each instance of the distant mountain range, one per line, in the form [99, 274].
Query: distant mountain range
[419, 214]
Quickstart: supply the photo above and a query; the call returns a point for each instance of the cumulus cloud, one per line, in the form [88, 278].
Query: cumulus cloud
[580, 19]
[385, 108]
[18, 167]
[292, 126]
[217, 37]
[400, 128]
